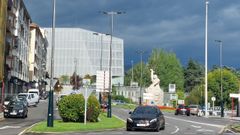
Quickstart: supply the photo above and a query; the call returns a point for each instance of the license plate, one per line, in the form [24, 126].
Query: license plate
[142, 125]
[13, 113]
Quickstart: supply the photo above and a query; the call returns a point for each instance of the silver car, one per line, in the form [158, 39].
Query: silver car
[195, 110]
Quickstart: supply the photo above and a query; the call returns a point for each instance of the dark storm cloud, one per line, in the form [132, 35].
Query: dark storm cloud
[175, 25]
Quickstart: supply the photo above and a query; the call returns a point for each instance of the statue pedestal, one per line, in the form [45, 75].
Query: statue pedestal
[153, 97]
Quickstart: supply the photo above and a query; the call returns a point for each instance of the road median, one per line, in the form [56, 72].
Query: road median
[61, 127]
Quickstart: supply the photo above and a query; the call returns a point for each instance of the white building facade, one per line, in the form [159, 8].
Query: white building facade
[86, 52]
[37, 55]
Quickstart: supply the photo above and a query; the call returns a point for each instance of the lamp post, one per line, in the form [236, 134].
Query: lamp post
[206, 62]
[132, 72]
[112, 13]
[140, 52]
[221, 88]
[101, 55]
[50, 101]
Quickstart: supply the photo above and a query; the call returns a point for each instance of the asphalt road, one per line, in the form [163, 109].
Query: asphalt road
[175, 125]
[14, 126]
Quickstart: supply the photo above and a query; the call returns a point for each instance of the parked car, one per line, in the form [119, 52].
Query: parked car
[23, 99]
[8, 99]
[16, 109]
[32, 98]
[182, 109]
[195, 110]
[35, 91]
[146, 117]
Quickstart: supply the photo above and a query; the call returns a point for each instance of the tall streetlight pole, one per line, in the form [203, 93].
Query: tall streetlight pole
[101, 56]
[140, 52]
[132, 71]
[206, 62]
[50, 101]
[75, 78]
[221, 87]
[112, 13]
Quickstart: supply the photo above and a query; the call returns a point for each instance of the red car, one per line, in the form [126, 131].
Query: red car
[182, 109]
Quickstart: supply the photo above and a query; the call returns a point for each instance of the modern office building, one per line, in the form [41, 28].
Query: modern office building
[85, 52]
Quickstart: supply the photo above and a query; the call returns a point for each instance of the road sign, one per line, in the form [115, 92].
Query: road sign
[213, 99]
[102, 84]
[171, 88]
[234, 95]
[173, 96]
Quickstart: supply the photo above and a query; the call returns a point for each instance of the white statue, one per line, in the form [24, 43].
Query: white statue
[154, 91]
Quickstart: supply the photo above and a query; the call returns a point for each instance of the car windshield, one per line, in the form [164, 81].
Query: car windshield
[145, 110]
[22, 96]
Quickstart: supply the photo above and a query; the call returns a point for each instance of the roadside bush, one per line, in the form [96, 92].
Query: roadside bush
[93, 109]
[71, 108]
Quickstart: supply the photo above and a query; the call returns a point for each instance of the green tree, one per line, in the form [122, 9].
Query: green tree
[193, 75]
[230, 84]
[75, 81]
[167, 67]
[137, 75]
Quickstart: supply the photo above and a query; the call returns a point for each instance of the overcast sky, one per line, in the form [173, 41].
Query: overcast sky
[174, 25]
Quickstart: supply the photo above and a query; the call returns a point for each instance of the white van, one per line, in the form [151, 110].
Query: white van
[32, 98]
[36, 91]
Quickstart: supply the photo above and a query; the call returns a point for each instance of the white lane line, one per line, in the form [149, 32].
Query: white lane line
[174, 132]
[205, 130]
[5, 127]
[206, 124]
[196, 126]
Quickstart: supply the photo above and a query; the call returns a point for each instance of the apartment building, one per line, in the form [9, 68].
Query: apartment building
[17, 47]
[37, 56]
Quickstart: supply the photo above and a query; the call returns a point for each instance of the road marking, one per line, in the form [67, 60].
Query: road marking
[174, 132]
[5, 127]
[207, 124]
[205, 130]
[196, 126]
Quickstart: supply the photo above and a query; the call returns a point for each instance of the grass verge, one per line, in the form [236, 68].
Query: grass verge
[60, 126]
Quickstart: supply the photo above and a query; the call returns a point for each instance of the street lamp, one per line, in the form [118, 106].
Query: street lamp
[206, 62]
[50, 101]
[140, 52]
[220, 62]
[101, 54]
[112, 13]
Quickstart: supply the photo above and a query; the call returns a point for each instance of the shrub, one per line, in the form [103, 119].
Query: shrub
[93, 109]
[71, 108]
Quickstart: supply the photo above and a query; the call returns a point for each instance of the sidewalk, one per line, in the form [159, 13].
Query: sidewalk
[1, 116]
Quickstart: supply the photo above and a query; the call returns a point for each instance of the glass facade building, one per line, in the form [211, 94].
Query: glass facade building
[85, 52]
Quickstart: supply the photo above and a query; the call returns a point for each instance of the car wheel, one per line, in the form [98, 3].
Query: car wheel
[176, 113]
[157, 129]
[128, 129]
[163, 127]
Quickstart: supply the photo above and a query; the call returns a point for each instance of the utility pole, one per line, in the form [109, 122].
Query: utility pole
[50, 101]
[112, 13]
[206, 59]
[75, 77]
[140, 52]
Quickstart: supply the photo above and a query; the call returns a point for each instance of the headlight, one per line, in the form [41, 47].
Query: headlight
[6, 110]
[20, 111]
[129, 120]
[153, 120]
